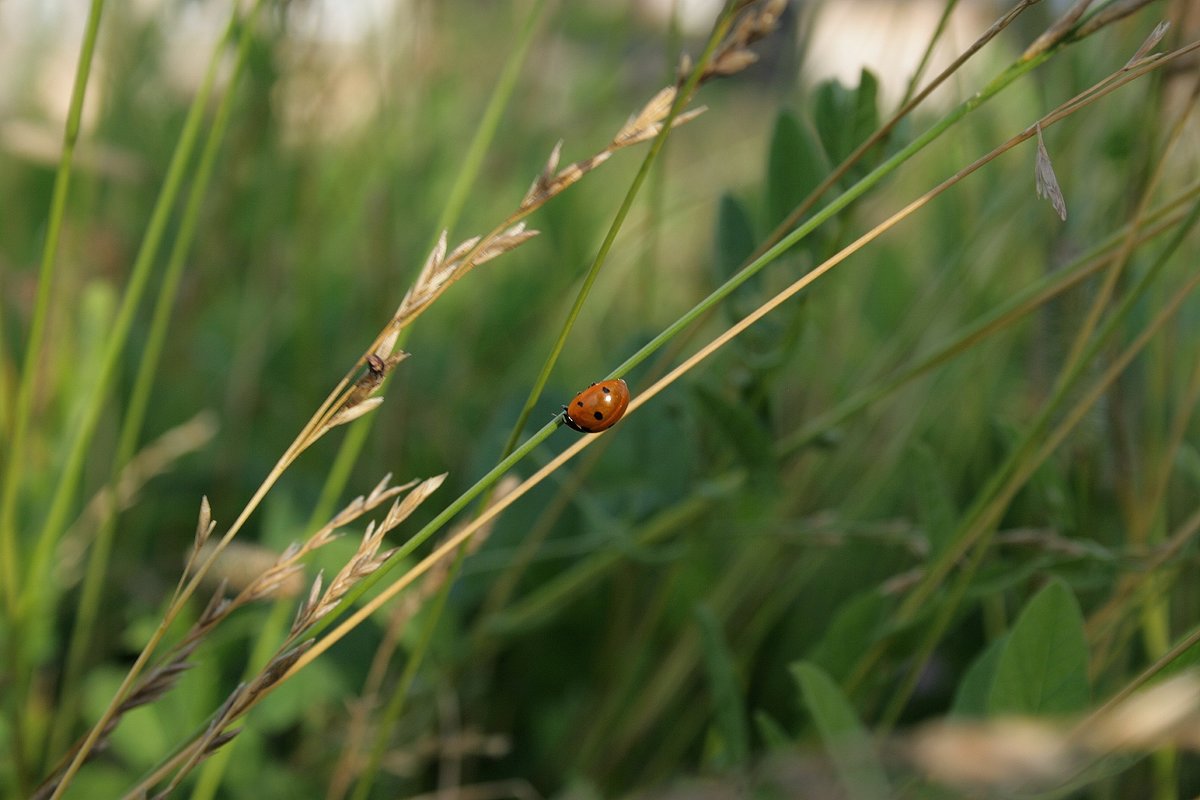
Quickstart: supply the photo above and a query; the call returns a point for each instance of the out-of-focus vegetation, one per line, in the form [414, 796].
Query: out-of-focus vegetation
[955, 476]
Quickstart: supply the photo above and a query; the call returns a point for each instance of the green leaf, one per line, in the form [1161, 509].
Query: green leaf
[742, 430]
[845, 739]
[796, 164]
[735, 237]
[833, 110]
[933, 495]
[844, 117]
[971, 698]
[866, 110]
[855, 626]
[726, 690]
[734, 242]
[1043, 666]
[772, 733]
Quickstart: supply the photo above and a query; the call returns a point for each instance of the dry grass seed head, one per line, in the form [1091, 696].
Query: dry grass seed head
[441, 271]
[365, 560]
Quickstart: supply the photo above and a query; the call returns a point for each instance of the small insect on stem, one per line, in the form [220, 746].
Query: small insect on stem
[598, 407]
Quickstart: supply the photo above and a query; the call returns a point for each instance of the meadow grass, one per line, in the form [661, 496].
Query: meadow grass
[934, 459]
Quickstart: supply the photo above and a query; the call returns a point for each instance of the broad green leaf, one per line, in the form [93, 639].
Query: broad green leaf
[866, 111]
[1043, 665]
[845, 117]
[726, 690]
[734, 239]
[796, 165]
[833, 108]
[971, 697]
[847, 742]
[734, 242]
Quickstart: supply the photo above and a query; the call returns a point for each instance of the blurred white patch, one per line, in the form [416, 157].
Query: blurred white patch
[889, 38]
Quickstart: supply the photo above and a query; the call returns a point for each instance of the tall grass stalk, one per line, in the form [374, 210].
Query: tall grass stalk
[1037, 444]
[357, 434]
[754, 267]
[420, 537]
[719, 32]
[503, 588]
[88, 605]
[349, 394]
[10, 548]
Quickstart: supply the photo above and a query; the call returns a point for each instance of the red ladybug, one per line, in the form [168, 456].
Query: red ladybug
[598, 407]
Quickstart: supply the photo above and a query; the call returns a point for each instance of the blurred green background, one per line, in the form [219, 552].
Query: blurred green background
[687, 561]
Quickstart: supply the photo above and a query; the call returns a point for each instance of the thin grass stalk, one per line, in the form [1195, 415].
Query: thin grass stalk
[364, 707]
[472, 163]
[822, 216]
[1178, 650]
[390, 591]
[651, 254]
[602, 749]
[356, 437]
[923, 63]
[1016, 307]
[208, 782]
[1118, 266]
[505, 584]
[620, 692]
[1070, 373]
[1036, 446]
[578, 578]
[1155, 611]
[1156, 582]
[118, 338]
[494, 243]
[348, 452]
[188, 583]
[719, 31]
[1049, 444]
[9, 546]
[1120, 604]
[489, 123]
[937, 572]
[879, 135]
[142, 265]
[885, 130]
[88, 605]
[399, 696]
[735, 281]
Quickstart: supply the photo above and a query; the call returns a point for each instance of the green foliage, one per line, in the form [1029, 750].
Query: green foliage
[1042, 667]
[843, 735]
[869, 478]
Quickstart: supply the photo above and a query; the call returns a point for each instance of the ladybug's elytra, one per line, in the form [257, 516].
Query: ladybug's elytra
[598, 407]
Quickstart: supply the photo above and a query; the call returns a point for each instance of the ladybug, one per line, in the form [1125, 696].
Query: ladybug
[598, 407]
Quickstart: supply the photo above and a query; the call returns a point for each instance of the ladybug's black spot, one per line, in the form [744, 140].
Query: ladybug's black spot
[580, 404]
[597, 415]
[606, 390]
